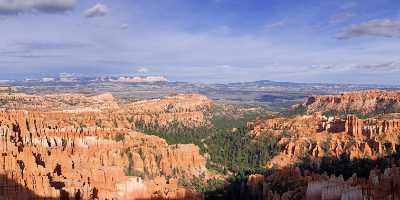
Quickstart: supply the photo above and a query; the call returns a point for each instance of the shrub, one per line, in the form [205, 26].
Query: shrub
[119, 137]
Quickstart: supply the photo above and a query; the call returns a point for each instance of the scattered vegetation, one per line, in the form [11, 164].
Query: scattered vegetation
[378, 111]
[346, 167]
[200, 185]
[129, 171]
[119, 137]
[301, 109]
[283, 182]
[296, 110]
[238, 189]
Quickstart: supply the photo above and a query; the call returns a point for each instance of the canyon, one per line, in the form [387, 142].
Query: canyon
[71, 146]
[97, 146]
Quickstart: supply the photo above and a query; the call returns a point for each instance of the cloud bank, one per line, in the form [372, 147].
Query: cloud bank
[380, 27]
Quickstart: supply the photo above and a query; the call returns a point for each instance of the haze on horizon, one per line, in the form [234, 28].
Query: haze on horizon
[339, 41]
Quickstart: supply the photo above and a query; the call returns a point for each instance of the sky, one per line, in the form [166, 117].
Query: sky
[213, 41]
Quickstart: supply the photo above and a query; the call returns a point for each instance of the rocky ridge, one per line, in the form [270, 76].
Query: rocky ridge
[361, 102]
[106, 111]
[317, 136]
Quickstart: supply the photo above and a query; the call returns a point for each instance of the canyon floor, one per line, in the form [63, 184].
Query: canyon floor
[74, 142]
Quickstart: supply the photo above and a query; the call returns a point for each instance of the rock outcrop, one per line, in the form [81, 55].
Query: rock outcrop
[378, 186]
[292, 183]
[317, 136]
[362, 102]
[187, 110]
[107, 112]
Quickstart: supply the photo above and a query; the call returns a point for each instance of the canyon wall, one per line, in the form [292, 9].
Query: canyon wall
[362, 102]
[317, 136]
[107, 112]
[187, 110]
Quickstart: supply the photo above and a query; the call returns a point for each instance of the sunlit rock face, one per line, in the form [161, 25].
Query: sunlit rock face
[87, 150]
[317, 136]
[108, 112]
[186, 109]
[363, 102]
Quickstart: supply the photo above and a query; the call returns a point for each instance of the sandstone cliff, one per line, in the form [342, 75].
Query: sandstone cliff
[187, 110]
[362, 102]
[105, 111]
[316, 136]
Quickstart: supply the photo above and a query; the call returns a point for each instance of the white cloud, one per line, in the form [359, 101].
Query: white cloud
[383, 28]
[96, 11]
[12, 7]
[142, 70]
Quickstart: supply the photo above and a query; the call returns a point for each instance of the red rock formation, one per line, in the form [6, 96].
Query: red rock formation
[93, 153]
[369, 101]
[52, 163]
[294, 184]
[187, 110]
[105, 111]
[317, 136]
[371, 127]
[377, 186]
[268, 186]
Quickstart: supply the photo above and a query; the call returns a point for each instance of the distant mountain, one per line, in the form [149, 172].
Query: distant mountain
[286, 83]
[84, 79]
[139, 79]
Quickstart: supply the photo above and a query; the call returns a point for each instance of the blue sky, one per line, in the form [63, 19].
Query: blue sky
[340, 41]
